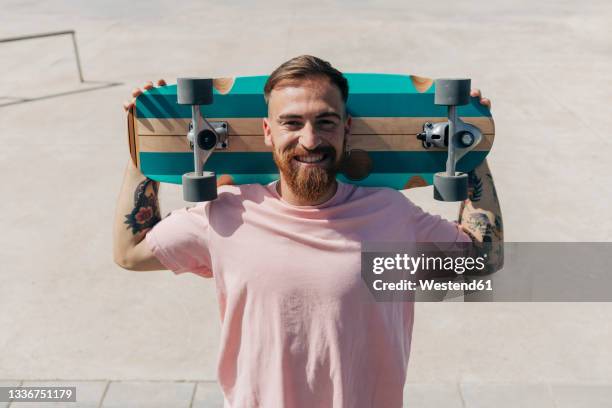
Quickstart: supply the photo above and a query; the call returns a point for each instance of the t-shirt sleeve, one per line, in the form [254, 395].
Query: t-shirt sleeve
[433, 228]
[180, 241]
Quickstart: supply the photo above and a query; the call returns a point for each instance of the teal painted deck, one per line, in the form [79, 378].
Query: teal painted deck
[371, 95]
[392, 169]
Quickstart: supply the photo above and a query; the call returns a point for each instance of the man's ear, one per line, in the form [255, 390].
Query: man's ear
[267, 131]
[348, 125]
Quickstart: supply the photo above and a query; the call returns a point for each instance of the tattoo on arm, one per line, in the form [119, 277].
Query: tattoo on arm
[480, 217]
[146, 208]
[479, 222]
[474, 186]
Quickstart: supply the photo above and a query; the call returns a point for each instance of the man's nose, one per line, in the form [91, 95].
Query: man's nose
[309, 138]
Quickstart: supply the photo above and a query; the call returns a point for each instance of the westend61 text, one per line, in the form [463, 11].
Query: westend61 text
[428, 284]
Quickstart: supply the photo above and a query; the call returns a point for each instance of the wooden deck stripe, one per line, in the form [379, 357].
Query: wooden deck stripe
[132, 137]
[361, 126]
[176, 143]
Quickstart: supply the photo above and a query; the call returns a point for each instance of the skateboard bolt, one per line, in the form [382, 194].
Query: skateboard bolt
[467, 139]
[207, 139]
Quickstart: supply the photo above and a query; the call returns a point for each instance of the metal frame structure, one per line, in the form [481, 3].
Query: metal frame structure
[52, 34]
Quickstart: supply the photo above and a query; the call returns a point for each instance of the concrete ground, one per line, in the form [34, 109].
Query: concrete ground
[205, 394]
[67, 313]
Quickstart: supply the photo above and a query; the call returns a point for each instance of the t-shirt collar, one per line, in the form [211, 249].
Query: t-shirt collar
[340, 192]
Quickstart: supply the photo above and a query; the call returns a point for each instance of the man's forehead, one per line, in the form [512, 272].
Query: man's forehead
[289, 93]
[310, 81]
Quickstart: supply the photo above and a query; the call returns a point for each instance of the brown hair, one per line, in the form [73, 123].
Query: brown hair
[306, 66]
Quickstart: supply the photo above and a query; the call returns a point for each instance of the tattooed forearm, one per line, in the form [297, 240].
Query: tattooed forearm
[474, 186]
[480, 217]
[146, 211]
[478, 222]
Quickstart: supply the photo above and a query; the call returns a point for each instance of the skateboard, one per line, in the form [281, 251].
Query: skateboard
[400, 134]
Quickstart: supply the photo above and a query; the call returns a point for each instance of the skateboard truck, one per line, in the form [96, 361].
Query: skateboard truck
[200, 185]
[459, 137]
[436, 135]
[220, 129]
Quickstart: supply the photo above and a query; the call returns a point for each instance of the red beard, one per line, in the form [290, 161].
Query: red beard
[308, 183]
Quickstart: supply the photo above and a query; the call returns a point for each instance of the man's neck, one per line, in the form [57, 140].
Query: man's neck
[288, 196]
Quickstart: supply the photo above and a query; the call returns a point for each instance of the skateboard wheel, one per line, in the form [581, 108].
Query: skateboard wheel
[452, 92]
[198, 188]
[194, 91]
[450, 188]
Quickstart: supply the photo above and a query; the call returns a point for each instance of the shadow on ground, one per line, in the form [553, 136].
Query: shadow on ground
[18, 100]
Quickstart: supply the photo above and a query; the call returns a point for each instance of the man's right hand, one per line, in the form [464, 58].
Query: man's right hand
[127, 105]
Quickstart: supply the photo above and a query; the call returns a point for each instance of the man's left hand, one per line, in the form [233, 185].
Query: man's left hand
[483, 101]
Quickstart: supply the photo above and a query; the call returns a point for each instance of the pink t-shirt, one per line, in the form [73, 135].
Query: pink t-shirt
[299, 326]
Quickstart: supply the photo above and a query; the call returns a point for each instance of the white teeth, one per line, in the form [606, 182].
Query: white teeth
[310, 159]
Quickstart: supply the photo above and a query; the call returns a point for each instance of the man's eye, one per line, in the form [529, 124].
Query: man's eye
[292, 123]
[327, 124]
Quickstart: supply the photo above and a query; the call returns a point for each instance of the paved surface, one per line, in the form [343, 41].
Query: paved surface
[67, 312]
[191, 394]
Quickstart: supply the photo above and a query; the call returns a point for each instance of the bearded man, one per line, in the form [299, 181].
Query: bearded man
[299, 326]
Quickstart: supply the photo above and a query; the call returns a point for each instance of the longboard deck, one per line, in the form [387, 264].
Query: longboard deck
[388, 111]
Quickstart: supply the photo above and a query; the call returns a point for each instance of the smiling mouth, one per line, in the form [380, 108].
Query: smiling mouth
[312, 158]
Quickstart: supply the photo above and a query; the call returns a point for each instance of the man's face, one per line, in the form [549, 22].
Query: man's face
[307, 129]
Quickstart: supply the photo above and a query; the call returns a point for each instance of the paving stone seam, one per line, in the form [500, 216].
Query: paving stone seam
[551, 395]
[104, 394]
[11, 402]
[458, 385]
[193, 394]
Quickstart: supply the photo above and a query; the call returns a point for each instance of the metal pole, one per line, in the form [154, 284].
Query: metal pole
[56, 33]
[32, 36]
[76, 54]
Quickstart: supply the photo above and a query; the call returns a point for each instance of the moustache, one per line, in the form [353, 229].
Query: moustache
[293, 151]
